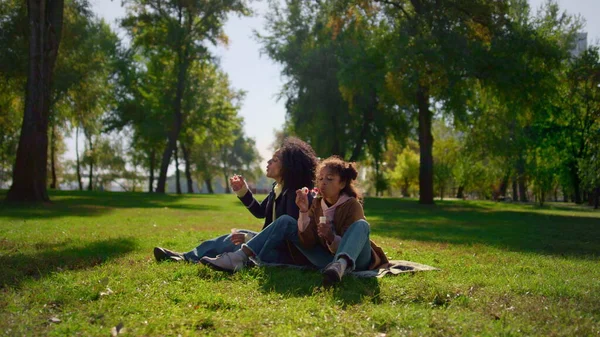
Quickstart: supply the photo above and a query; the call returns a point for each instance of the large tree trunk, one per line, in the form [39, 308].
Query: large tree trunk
[209, 187]
[77, 160]
[53, 157]
[30, 170]
[188, 169]
[177, 180]
[597, 196]
[151, 180]
[426, 147]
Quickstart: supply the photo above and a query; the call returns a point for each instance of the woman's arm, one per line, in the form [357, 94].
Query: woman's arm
[257, 209]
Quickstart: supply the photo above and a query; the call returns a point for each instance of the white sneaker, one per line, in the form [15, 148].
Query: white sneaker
[230, 262]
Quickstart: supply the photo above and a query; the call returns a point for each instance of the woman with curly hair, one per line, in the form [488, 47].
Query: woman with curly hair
[331, 233]
[292, 167]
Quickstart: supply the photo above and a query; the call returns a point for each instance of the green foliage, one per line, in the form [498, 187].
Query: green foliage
[403, 170]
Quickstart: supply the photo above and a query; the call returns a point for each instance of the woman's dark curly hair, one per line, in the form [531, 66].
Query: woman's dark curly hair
[298, 163]
[347, 172]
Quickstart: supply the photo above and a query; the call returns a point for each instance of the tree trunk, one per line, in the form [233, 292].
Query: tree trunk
[426, 147]
[521, 181]
[177, 180]
[227, 189]
[30, 170]
[182, 68]
[90, 175]
[209, 187]
[576, 182]
[368, 116]
[151, 180]
[188, 169]
[515, 196]
[597, 195]
[461, 192]
[405, 188]
[504, 185]
[77, 160]
[53, 157]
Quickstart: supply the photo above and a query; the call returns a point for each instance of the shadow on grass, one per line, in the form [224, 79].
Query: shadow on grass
[307, 282]
[512, 227]
[94, 203]
[51, 258]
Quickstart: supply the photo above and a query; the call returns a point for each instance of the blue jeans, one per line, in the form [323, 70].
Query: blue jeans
[214, 247]
[355, 244]
[223, 244]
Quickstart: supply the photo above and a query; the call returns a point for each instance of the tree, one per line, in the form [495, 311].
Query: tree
[30, 172]
[178, 30]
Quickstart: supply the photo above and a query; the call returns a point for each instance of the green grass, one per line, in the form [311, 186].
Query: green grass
[506, 270]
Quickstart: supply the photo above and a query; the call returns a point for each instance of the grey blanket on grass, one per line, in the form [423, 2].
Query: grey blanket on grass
[394, 267]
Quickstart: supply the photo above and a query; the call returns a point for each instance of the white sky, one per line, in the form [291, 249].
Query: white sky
[260, 77]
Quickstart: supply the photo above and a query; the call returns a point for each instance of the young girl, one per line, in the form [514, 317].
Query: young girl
[332, 234]
[292, 167]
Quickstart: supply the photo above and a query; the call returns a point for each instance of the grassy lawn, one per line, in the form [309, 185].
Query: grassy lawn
[83, 265]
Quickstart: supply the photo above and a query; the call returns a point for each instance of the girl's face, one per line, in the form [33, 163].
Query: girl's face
[274, 167]
[329, 183]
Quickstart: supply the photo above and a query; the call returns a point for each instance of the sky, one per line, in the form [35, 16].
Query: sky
[260, 78]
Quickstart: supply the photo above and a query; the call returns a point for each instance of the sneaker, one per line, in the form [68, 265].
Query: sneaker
[333, 273]
[163, 254]
[230, 262]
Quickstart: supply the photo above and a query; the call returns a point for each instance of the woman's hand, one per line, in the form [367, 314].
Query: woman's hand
[325, 231]
[302, 199]
[236, 237]
[237, 182]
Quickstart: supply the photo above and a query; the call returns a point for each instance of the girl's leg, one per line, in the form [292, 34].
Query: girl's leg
[354, 252]
[355, 246]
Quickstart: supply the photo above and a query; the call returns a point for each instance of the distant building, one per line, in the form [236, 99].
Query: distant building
[580, 44]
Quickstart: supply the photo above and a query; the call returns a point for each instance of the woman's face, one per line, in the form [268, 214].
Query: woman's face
[274, 167]
[329, 183]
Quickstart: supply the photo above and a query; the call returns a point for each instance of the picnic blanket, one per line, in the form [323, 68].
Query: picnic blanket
[394, 267]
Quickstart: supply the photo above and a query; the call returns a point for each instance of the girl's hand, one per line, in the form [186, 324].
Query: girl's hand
[325, 231]
[302, 199]
[237, 182]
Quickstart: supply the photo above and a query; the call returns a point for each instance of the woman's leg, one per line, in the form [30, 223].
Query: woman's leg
[214, 247]
[267, 243]
[264, 245]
